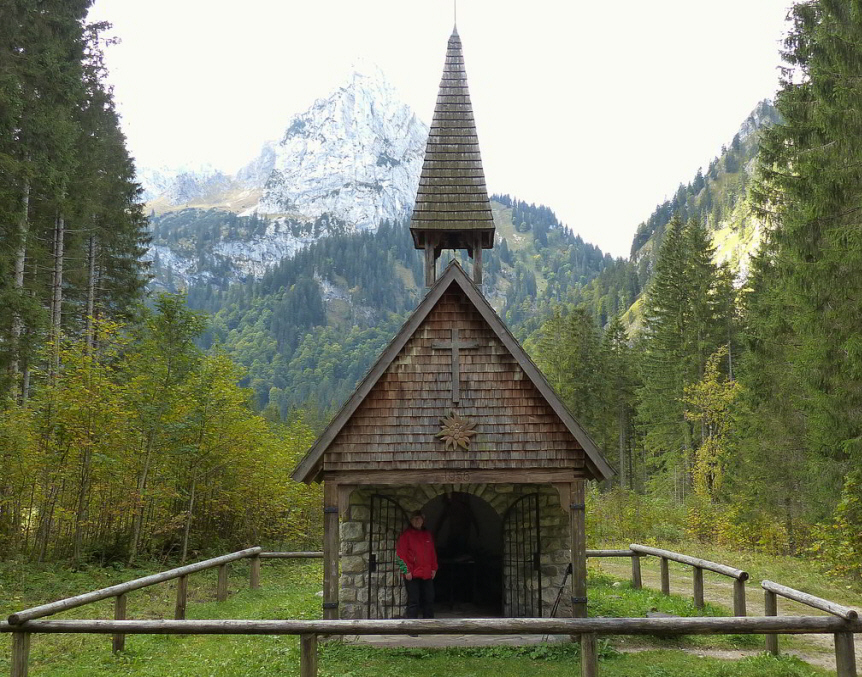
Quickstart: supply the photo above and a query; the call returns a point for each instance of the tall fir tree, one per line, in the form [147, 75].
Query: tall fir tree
[686, 312]
[803, 326]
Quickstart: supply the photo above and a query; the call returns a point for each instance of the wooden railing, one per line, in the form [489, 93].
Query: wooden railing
[636, 551]
[845, 654]
[843, 625]
[637, 584]
[119, 591]
[308, 631]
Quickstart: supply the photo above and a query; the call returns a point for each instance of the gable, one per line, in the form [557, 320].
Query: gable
[395, 427]
[392, 419]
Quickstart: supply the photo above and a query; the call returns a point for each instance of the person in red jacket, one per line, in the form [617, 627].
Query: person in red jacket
[417, 559]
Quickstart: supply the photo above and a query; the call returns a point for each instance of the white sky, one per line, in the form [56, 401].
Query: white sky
[596, 109]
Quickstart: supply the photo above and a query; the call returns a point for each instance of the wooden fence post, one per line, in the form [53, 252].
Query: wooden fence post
[665, 576]
[637, 582]
[589, 656]
[739, 597]
[20, 653]
[255, 572]
[770, 608]
[221, 590]
[182, 595]
[845, 655]
[119, 641]
[697, 584]
[308, 655]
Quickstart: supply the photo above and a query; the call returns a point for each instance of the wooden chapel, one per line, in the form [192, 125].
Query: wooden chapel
[455, 419]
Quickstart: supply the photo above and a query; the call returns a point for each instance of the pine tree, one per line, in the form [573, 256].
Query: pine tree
[619, 385]
[803, 325]
[686, 319]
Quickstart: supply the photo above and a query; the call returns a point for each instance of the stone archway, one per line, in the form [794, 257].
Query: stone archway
[469, 537]
[356, 534]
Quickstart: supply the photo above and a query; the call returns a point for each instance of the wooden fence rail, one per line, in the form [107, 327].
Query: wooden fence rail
[309, 630]
[637, 583]
[123, 588]
[843, 625]
[120, 591]
[738, 575]
[845, 654]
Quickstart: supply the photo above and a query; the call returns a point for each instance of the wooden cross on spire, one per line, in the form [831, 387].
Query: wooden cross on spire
[455, 345]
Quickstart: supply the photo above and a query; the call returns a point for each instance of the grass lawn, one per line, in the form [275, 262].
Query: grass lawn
[289, 590]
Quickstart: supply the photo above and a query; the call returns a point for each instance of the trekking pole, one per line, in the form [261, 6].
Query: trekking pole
[559, 596]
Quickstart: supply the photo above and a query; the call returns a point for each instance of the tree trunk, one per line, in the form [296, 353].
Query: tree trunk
[82, 514]
[18, 282]
[623, 425]
[91, 293]
[139, 512]
[188, 524]
[729, 359]
[57, 288]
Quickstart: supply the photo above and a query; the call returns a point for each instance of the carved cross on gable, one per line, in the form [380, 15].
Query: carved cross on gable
[455, 345]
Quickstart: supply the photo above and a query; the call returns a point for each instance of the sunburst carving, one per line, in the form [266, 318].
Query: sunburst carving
[456, 431]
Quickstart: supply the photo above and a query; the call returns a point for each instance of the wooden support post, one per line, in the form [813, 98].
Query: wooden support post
[119, 641]
[308, 656]
[331, 550]
[770, 608]
[697, 584]
[255, 572]
[739, 598]
[477, 261]
[577, 524]
[578, 528]
[20, 653]
[430, 264]
[665, 576]
[845, 655]
[589, 656]
[182, 594]
[637, 581]
[221, 590]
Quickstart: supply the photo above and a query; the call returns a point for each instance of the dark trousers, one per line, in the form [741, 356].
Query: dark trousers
[420, 595]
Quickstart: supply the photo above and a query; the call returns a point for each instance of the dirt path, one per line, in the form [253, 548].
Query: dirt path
[815, 649]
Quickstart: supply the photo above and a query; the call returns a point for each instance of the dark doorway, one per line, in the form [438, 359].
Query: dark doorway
[469, 537]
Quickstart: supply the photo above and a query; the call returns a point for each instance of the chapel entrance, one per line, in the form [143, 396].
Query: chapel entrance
[469, 537]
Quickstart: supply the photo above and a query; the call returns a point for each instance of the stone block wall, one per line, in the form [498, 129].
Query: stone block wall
[553, 520]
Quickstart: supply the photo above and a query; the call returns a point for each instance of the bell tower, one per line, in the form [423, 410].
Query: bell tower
[452, 209]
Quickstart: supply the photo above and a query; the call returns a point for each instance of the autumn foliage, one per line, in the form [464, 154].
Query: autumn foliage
[146, 446]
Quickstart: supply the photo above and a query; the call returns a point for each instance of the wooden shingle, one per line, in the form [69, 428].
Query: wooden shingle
[391, 421]
[453, 167]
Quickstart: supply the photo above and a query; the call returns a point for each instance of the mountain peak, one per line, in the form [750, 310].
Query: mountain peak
[363, 69]
[355, 154]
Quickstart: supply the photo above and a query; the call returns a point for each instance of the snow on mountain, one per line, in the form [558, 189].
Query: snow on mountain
[256, 172]
[182, 185]
[352, 159]
[356, 154]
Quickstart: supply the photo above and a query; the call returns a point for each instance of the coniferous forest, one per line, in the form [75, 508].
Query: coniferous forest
[119, 437]
[138, 424]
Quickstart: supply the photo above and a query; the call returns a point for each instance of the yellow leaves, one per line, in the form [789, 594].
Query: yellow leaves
[125, 431]
[710, 402]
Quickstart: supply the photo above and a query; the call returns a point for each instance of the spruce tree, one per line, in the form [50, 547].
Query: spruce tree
[685, 320]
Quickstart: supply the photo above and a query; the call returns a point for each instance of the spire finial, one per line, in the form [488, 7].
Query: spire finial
[455, 2]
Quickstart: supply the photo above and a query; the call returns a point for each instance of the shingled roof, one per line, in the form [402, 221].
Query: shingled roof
[452, 201]
[395, 359]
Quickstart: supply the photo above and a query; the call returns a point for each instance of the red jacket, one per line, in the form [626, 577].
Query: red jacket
[416, 551]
